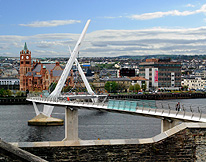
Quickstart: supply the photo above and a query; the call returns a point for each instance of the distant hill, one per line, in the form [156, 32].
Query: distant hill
[175, 57]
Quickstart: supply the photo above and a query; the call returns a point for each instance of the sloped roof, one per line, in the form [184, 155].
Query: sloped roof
[37, 75]
[30, 73]
[117, 79]
[47, 66]
[57, 72]
[138, 78]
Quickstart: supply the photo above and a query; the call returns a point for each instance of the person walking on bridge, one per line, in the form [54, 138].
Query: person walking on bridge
[178, 107]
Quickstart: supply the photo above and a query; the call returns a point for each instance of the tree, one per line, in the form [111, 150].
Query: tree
[20, 93]
[111, 86]
[52, 87]
[67, 88]
[131, 88]
[121, 87]
[93, 87]
[2, 92]
[8, 92]
[144, 86]
[137, 87]
[185, 88]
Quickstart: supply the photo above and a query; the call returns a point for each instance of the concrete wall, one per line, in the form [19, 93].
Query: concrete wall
[185, 142]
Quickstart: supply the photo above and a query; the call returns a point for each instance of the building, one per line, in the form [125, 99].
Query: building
[126, 72]
[9, 83]
[196, 83]
[39, 76]
[10, 73]
[124, 82]
[141, 81]
[161, 73]
[200, 73]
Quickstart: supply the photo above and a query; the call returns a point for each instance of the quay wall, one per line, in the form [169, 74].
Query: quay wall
[14, 101]
[185, 142]
[159, 96]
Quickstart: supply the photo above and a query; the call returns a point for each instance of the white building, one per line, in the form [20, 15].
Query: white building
[9, 81]
[195, 83]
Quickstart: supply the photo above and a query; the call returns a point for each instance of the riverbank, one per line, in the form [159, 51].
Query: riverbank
[13, 101]
[155, 96]
[159, 96]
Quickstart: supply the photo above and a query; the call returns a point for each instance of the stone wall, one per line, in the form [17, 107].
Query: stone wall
[10, 153]
[185, 142]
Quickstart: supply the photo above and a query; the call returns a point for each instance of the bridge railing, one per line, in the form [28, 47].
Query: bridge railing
[128, 105]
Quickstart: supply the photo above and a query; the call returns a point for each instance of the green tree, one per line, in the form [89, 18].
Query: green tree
[92, 87]
[20, 93]
[111, 86]
[66, 89]
[2, 92]
[52, 87]
[131, 88]
[185, 88]
[144, 86]
[137, 87]
[8, 92]
[121, 87]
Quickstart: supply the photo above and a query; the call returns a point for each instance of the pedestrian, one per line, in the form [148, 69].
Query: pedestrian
[178, 107]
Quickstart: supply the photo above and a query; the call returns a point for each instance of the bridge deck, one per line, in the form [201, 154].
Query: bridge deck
[133, 110]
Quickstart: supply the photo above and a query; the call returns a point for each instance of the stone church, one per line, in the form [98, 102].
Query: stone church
[37, 76]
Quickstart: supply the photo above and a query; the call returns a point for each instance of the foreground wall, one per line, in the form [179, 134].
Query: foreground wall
[185, 142]
[10, 153]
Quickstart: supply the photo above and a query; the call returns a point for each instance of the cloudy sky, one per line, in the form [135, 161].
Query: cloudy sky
[118, 27]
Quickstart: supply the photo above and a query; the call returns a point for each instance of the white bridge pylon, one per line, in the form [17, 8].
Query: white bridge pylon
[47, 110]
[68, 67]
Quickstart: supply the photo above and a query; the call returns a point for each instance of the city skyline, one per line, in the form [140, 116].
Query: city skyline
[117, 27]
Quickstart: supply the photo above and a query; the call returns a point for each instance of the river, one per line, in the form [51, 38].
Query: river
[92, 124]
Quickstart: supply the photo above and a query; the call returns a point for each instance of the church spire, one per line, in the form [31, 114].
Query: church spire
[25, 47]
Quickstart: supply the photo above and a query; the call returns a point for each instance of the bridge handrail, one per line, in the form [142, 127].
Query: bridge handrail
[131, 106]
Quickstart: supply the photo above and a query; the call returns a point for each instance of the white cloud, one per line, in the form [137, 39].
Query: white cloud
[107, 43]
[51, 23]
[113, 17]
[155, 15]
[190, 5]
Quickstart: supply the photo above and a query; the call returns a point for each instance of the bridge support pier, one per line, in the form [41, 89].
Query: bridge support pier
[168, 124]
[71, 124]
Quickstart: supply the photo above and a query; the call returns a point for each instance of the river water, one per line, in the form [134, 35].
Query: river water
[92, 124]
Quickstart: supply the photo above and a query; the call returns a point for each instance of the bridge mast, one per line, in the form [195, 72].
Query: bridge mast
[69, 64]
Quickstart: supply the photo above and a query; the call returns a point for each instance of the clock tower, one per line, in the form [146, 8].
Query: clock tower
[25, 66]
